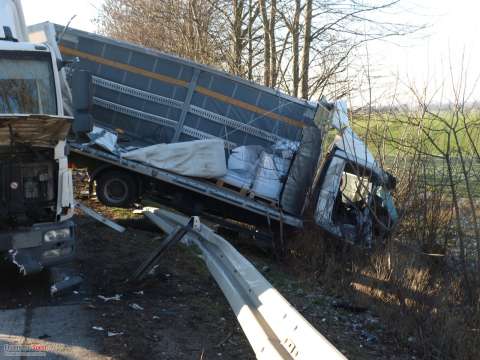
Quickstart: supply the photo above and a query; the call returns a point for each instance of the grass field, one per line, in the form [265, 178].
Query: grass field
[441, 139]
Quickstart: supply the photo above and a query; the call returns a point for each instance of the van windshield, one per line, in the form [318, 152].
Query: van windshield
[27, 84]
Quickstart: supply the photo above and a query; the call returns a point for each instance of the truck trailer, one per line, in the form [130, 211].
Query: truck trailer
[141, 98]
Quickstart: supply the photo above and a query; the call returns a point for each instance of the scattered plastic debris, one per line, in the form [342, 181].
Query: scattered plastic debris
[111, 298]
[65, 284]
[111, 333]
[152, 271]
[135, 306]
[13, 253]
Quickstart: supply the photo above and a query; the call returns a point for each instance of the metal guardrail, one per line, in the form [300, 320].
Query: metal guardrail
[274, 328]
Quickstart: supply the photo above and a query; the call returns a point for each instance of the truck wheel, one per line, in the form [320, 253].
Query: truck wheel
[117, 189]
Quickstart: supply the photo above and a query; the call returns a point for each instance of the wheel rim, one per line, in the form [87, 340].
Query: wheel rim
[116, 190]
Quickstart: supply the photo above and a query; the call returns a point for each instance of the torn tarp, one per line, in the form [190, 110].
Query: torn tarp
[104, 138]
[199, 158]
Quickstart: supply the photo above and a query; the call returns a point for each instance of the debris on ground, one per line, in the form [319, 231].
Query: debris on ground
[136, 307]
[99, 217]
[67, 284]
[111, 298]
[110, 333]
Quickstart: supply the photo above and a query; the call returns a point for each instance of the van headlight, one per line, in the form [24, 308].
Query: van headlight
[56, 235]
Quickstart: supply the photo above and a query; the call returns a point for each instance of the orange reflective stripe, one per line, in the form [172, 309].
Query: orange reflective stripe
[126, 67]
[247, 106]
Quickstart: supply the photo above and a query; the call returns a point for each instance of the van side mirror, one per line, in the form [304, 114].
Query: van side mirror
[82, 100]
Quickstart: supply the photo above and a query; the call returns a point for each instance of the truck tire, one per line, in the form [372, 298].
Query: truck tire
[117, 189]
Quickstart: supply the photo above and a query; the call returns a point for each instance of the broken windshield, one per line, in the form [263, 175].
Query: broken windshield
[27, 85]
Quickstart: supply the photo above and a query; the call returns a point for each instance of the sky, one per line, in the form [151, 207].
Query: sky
[61, 11]
[424, 60]
[431, 60]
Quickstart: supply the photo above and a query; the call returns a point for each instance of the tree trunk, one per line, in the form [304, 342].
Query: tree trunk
[306, 50]
[251, 20]
[273, 46]
[267, 42]
[237, 37]
[295, 30]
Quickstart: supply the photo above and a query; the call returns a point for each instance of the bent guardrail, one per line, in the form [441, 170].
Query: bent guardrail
[274, 328]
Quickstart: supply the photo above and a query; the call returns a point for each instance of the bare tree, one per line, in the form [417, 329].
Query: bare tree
[267, 40]
[307, 40]
[186, 28]
[302, 47]
[253, 11]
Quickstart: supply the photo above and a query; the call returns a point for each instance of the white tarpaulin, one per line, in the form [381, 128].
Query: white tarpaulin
[199, 158]
[104, 138]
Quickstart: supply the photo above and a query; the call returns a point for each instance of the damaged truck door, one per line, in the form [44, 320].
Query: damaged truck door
[36, 197]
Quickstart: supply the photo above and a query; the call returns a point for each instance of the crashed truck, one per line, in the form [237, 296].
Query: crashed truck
[208, 143]
[36, 195]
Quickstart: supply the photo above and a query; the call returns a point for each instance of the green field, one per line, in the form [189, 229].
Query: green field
[435, 140]
[441, 132]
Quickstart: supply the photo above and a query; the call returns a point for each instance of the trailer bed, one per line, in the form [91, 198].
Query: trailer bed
[199, 186]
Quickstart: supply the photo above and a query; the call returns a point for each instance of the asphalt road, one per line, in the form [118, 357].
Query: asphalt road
[52, 332]
[33, 324]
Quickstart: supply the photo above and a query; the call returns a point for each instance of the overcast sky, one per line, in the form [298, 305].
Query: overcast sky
[452, 32]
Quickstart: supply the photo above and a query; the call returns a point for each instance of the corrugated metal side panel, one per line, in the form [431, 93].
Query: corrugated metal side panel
[156, 97]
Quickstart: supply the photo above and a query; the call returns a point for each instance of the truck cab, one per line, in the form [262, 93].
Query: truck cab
[354, 200]
[36, 197]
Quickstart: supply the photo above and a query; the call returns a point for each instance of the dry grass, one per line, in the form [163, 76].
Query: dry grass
[420, 298]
